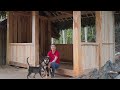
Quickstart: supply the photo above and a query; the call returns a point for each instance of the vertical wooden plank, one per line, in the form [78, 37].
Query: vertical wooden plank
[63, 34]
[9, 19]
[49, 34]
[15, 29]
[99, 34]
[19, 27]
[40, 50]
[30, 27]
[0, 47]
[113, 32]
[3, 46]
[35, 37]
[85, 29]
[22, 28]
[28, 30]
[33, 32]
[77, 62]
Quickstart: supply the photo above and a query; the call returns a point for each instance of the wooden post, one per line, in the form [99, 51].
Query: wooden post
[9, 14]
[35, 35]
[99, 34]
[52, 40]
[63, 33]
[85, 28]
[77, 62]
[61, 40]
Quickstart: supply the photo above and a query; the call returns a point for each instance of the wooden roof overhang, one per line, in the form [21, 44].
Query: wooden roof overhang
[64, 19]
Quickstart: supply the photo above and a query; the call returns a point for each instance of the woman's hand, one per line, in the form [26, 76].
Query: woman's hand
[49, 65]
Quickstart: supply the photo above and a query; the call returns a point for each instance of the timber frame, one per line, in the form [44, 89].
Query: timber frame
[85, 55]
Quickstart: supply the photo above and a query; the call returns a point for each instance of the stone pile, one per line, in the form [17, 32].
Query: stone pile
[104, 72]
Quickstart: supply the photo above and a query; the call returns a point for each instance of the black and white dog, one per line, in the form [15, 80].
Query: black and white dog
[44, 65]
[43, 69]
[34, 70]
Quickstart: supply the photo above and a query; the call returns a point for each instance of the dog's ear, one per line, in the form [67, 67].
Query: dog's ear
[48, 57]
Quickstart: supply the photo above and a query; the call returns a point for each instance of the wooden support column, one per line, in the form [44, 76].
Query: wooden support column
[9, 27]
[63, 33]
[77, 62]
[52, 40]
[86, 31]
[99, 34]
[35, 35]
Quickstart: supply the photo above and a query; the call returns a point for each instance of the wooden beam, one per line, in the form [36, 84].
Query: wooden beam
[86, 33]
[60, 17]
[8, 36]
[43, 17]
[35, 36]
[49, 14]
[63, 34]
[66, 12]
[23, 13]
[99, 34]
[77, 62]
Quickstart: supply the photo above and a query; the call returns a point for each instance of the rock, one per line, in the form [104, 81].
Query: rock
[104, 75]
[84, 77]
[107, 67]
[91, 75]
[117, 77]
[94, 74]
[104, 72]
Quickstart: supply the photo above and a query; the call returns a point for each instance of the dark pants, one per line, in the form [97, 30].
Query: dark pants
[54, 66]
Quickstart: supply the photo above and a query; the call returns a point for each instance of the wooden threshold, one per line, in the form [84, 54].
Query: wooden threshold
[65, 72]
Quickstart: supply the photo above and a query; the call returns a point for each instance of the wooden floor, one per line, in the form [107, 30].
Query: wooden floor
[66, 65]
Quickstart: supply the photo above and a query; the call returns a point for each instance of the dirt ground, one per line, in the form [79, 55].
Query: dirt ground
[10, 72]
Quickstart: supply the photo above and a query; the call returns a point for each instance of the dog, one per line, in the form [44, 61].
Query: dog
[34, 70]
[44, 65]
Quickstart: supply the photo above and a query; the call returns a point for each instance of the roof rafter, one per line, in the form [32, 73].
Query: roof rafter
[60, 17]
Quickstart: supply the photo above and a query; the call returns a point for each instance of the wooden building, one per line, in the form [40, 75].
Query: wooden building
[29, 35]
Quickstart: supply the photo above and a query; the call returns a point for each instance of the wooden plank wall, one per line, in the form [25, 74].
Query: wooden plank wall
[43, 36]
[66, 52]
[90, 55]
[20, 44]
[108, 42]
[20, 52]
[21, 31]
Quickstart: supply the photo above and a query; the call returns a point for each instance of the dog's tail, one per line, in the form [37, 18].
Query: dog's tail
[28, 62]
